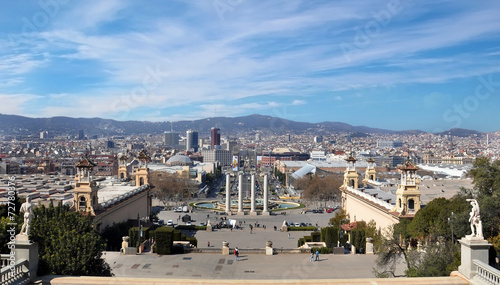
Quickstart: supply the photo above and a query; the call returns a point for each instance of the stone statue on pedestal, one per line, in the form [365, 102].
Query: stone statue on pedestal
[476, 225]
[27, 209]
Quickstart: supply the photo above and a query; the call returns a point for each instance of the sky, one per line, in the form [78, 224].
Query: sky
[392, 64]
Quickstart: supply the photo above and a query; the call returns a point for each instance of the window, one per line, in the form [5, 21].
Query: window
[82, 205]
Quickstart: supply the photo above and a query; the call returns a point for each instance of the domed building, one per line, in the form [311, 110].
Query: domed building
[179, 160]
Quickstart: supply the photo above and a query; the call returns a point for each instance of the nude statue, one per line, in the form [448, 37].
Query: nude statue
[476, 225]
[27, 209]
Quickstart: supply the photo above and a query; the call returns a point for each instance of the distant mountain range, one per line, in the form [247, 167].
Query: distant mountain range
[19, 125]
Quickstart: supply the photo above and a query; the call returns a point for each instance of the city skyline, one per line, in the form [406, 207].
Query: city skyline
[395, 65]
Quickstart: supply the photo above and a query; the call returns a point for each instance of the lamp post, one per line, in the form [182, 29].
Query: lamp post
[450, 221]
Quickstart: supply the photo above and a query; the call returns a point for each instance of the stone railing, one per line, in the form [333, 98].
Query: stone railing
[4, 260]
[19, 275]
[485, 274]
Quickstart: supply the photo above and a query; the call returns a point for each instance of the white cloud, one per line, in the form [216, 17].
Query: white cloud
[298, 102]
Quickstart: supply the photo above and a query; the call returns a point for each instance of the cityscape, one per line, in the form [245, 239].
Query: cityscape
[242, 142]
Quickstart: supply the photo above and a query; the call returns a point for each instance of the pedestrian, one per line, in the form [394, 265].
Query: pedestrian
[317, 255]
[312, 256]
[236, 253]
[208, 243]
[288, 235]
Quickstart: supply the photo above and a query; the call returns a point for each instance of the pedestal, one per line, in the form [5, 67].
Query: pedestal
[472, 249]
[28, 250]
[369, 246]
[269, 248]
[264, 213]
[253, 213]
[225, 248]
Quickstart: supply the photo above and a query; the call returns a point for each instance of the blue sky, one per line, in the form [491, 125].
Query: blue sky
[397, 64]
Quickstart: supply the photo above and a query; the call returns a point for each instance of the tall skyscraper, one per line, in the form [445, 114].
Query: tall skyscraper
[171, 139]
[215, 137]
[192, 140]
[80, 135]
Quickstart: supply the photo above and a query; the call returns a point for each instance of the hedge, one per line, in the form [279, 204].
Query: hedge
[316, 236]
[358, 239]
[300, 242]
[193, 228]
[164, 238]
[192, 240]
[310, 228]
[133, 234]
[322, 250]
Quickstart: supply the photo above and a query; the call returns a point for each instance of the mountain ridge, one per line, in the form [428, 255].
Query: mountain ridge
[20, 125]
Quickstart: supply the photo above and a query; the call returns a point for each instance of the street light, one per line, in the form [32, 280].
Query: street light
[450, 221]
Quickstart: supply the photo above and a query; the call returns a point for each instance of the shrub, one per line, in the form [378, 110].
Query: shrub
[300, 242]
[322, 250]
[316, 236]
[192, 240]
[296, 229]
[164, 240]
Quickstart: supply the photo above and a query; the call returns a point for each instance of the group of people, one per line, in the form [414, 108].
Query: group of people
[312, 256]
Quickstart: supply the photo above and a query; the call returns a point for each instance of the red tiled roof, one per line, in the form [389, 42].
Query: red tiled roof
[86, 162]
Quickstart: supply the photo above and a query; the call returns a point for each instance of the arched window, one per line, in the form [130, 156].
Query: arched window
[82, 204]
[352, 182]
[122, 175]
[411, 206]
[371, 176]
[141, 181]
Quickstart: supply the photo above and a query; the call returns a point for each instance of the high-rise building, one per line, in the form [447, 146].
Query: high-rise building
[80, 135]
[171, 139]
[192, 140]
[44, 135]
[318, 139]
[215, 137]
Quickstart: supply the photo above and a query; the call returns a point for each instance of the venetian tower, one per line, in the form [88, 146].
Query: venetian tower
[370, 173]
[142, 174]
[85, 193]
[122, 169]
[350, 174]
[408, 193]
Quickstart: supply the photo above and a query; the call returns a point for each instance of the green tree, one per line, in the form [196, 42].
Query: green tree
[68, 244]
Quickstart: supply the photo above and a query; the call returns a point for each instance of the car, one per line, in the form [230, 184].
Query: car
[188, 224]
[330, 210]
[178, 209]
[315, 211]
[161, 222]
[320, 211]
[170, 223]
[303, 224]
[296, 225]
[202, 224]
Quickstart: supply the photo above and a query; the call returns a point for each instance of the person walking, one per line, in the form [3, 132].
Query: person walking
[236, 253]
[317, 255]
[312, 256]
[288, 235]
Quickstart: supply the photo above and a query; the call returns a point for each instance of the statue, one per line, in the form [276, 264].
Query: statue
[475, 221]
[27, 208]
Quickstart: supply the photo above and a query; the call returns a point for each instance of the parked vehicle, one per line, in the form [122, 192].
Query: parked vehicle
[185, 209]
[170, 223]
[178, 209]
[161, 222]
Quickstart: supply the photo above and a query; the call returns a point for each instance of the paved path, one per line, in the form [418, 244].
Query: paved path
[251, 266]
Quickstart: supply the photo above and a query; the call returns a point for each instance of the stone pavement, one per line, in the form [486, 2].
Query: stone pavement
[250, 266]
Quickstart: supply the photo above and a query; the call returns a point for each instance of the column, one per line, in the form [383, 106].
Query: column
[252, 196]
[240, 194]
[265, 211]
[228, 193]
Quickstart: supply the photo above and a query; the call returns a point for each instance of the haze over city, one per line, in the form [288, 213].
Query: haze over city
[386, 64]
